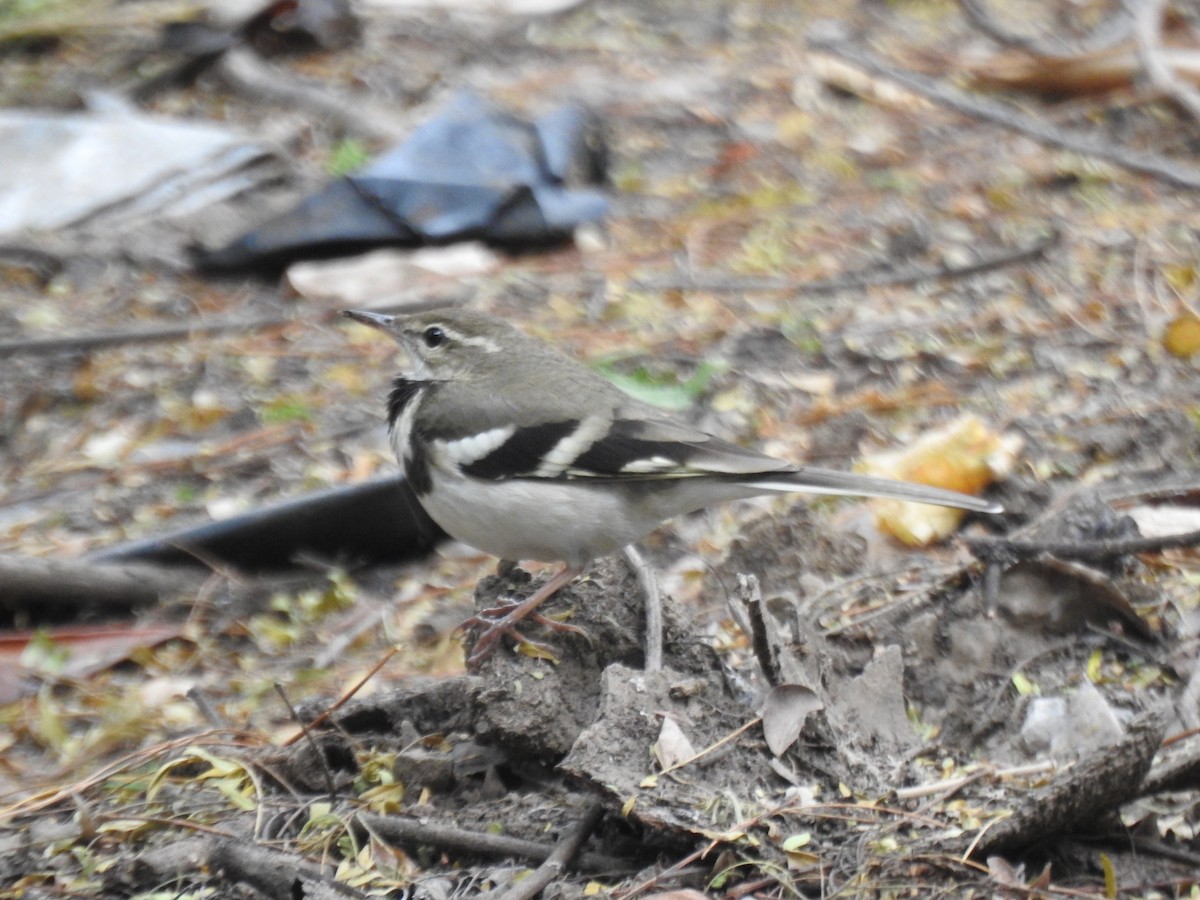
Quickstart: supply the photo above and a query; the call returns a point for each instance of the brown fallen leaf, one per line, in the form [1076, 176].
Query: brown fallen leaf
[74, 651]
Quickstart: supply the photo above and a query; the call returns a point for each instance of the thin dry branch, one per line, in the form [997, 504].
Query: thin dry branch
[72, 585]
[246, 74]
[1163, 168]
[150, 334]
[173, 331]
[278, 875]
[897, 277]
[993, 549]
[1148, 19]
[1112, 31]
[553, 867]
[1177, 768]
[1078, 798]
[423, 833]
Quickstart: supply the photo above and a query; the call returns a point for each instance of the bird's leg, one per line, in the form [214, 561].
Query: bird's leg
[644, 573]
[506, 624]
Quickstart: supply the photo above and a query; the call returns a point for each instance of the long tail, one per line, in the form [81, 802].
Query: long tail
[827, 481]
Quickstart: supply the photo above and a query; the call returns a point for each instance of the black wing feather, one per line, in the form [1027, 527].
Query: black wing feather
[522, 453]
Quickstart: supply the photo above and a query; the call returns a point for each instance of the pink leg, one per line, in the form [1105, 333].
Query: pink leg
[486, 644]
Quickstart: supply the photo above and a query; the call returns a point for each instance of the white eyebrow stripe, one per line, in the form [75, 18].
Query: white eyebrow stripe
[572, 446]
[481, 341]
[474, 447]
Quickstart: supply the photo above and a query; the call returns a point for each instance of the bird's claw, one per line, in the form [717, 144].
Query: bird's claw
[487, 642]
[495, 615]
[499, 623]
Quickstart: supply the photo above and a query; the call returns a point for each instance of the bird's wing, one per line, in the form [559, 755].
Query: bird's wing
[654, 447]
[629, 449]
[598, 446]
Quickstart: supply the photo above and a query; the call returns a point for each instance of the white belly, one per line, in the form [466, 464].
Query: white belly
[549, 521]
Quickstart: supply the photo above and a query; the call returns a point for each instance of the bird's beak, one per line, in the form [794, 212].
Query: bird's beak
[375, 320]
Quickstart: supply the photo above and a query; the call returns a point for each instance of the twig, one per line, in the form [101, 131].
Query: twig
[994, 549]
[553, 867]
[345, 698]
[202, 703]
[75, 343]
[150, 334]
[248, 75]
[1175, 768]
[712, 748]
[750, 593]
[423, 833]
[1110, 33]
[1163, 168]
[1100, 782]
[949, 785]
[56, 584]
[274, 873]
[904, 275]
[312, 743]
[1166, 851]
[1148, 21]
[672, 870]
[1161, 490]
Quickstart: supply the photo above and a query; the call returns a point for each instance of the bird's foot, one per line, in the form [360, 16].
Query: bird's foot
[487, 643]
[502, 621]
[494, 615]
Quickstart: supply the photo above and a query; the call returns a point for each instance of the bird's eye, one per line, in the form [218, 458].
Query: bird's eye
[433, 336]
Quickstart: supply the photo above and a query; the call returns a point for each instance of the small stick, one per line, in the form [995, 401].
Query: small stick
[1148, 22]
[345, 698]
[751, 594]
[74, 343]
[992, 549]
[96, 340]
[898, 277]
[311, 741]
[424, 833]
[552, 868]
[1165, 169]
[711, 748]
[201, 702]
[1108, 34]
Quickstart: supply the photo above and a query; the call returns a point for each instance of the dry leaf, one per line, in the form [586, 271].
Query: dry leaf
[1161, 521]
[1182, 337]
[672, 746]
[1087, 73]
[965, 456]
[1005, 873]
[80, 651]
[786, 709]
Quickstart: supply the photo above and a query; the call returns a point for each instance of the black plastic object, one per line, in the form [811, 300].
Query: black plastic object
[474, 171]
[373, 522]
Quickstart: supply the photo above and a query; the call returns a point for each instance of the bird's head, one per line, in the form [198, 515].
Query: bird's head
[446, 344]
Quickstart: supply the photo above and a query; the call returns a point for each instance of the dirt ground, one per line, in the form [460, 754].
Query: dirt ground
[809, 252]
